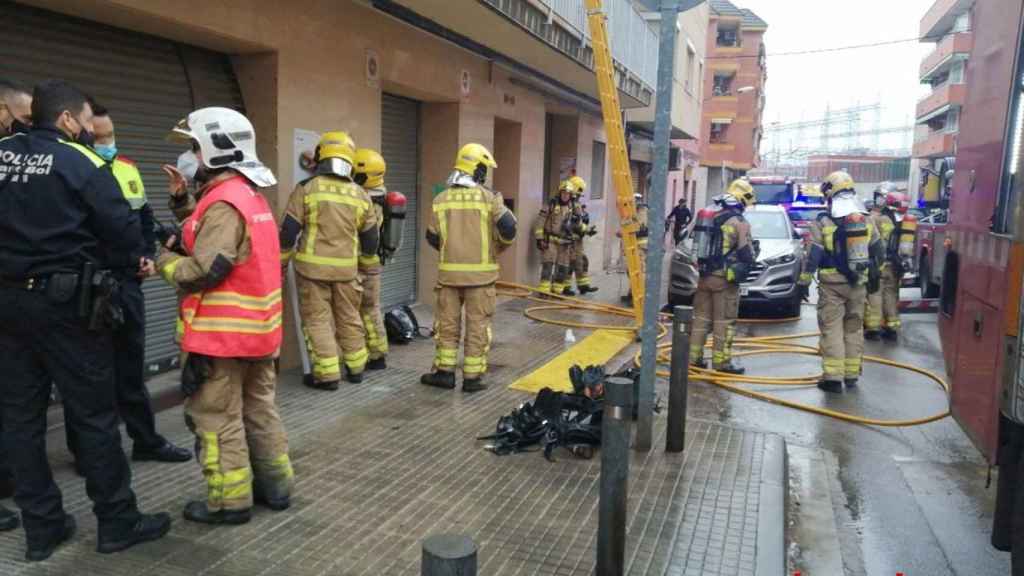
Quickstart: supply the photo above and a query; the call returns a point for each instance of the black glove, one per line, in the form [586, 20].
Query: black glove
[196, 370]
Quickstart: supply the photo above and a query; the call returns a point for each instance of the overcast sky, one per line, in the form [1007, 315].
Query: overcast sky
[800, 86]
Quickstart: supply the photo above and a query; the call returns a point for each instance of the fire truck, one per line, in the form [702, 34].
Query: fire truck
[980, 296]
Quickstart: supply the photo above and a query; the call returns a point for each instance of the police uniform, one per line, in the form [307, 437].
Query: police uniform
[60, 208]
[716, 302]
[469, 227]
[133, 400]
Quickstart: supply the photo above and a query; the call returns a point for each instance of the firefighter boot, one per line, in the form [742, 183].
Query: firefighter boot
[470, 385]
[730, 368]
[330, 385]
[275, 498]
[889, 334]
[377, 363]
[568, 292]
[873, 335]
[197, 511]
[699, 363]
[833, 386]
[8, 519]
[850, 383]
[439, 379]
[587, 288]
[353, 378]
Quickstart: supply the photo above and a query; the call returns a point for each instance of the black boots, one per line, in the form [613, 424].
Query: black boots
[587, 289]
[833, 386]
[439, 379]
[850, 382]
[199, 512]
[8, 519]
[731, 368]
[330, 385]
[377, 364]
[167, 452]
[890, 335]
[148, 527]
[569, 291]
[471, 385]
[41, 550]
[873, 335]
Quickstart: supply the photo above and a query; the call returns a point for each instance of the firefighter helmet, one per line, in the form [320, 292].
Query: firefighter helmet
[836, 182]
[579, 183]
[336, 144]
[369, 168]
[474, 159]
[897, 201]
[226, 139]
[741, 190]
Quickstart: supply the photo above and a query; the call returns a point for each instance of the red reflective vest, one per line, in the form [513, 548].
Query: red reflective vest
[241, 316]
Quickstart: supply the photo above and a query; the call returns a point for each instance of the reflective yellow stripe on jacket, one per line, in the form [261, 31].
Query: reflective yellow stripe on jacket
[329, 193]
[459, 201]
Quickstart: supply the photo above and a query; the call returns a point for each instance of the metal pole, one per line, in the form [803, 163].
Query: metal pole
[448, 555]
[679, 381]
[656, 222]
[611, 527]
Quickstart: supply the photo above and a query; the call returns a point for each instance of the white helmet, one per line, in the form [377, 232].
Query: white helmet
[845, 203]
[226, 139]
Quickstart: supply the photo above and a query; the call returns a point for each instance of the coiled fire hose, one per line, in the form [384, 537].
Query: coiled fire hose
[748, 346]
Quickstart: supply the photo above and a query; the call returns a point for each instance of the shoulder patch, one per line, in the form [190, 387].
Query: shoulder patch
[126, 160]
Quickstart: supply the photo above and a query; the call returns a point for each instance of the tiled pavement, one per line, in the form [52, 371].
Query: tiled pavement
[381, 465]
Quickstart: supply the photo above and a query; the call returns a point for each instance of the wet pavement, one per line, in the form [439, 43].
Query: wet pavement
[911, 500]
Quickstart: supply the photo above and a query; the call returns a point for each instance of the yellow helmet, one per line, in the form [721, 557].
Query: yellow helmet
[567, 186]
[836, 182]
[742, 191]
[369, 168]
[474, 159]
[579, 183]
[336, 144]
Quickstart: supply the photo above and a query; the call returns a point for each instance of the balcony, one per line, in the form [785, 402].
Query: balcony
[950, 50]
[941, 16]
[936, 145]
[940, 101]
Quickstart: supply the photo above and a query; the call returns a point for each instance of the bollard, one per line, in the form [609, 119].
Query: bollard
[679, 378]
[448, 555]
[615, 434]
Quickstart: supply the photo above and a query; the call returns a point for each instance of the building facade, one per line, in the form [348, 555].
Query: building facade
[946, 25]
[867, 171]
[734, 80]
[413, 78]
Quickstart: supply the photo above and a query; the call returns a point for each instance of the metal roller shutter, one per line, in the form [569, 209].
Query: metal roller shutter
[400, 123]
[148, 84]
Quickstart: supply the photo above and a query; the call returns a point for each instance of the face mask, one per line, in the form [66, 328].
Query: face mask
[188, 165]
[106, 151]
[85, 138]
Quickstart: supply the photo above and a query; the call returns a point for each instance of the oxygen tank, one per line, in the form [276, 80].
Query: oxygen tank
[858, 242]
[394, 222]
[703, 233]
[908, 233]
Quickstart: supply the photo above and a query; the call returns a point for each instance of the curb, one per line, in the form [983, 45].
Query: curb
[771, 522]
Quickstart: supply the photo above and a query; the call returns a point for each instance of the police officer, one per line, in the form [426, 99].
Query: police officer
[133, 402]
[340, 226]
[679, 218]
[845, 251]
[62, 218]
[723, 264]
[896, 232]
[581, 229]
[15, 109]
[470, 226]
[554, 236]
[228, 268]
[369, 172]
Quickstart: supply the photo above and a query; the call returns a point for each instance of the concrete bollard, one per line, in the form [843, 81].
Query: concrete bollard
[615, 436]
[449, 555]
[679, 379]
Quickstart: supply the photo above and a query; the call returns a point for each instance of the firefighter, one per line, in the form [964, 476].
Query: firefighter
[469, 227]
[725, 253]
[581, 229]
[642, 234]
[555, 238]
[369, 173]
[230, 318]
[845, 252]
[897, 232]
[339, 226]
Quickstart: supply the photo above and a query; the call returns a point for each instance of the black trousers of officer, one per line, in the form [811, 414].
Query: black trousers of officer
[133, 401]
[42, 342]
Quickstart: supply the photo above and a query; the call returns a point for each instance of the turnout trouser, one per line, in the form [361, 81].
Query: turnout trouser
[373, 320]
[331, 322]
[42, 343]
[478, 303]
[239, 434]
[716, 303]
[883, 307]
[580, 265]
[547, 267]
[841, 322]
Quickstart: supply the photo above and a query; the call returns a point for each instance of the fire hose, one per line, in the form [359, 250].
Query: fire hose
[748, 346]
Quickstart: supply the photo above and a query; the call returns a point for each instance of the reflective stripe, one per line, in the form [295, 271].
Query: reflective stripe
[130, 182]
[282, 467]
[312, 202]
[242, 301]
[462, 205]
[167, 272]
[323, 368]
[485, 238]
[852, 366]
[584, 281]
[356, 361]
[326, 260]
[369, 260]
[237, 484]
[85, 150]
[452, 267]
[833, 366]
[446, 357]
[375, 341]
[241, 325]
[544, 286]
[286, 255]
[484, 209]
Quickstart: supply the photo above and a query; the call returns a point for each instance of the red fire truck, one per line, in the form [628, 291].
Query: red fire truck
[980, 302]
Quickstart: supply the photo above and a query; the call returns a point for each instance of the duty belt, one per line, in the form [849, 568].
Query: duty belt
[37, 284]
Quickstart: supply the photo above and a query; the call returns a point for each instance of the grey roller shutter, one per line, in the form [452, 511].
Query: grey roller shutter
[400, 123]
[148, 83]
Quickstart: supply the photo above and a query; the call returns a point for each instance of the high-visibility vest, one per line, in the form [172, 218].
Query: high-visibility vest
[130, 181]
[241, 316]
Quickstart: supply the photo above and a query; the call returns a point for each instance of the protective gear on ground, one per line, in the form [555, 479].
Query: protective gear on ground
[742, 191]
[465, 229]
[226, 139]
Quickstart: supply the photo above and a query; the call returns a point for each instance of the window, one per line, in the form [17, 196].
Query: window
[723, 84]
[1012, 180]
[956, 73]
[952, 121]
[691, 68]
[719, 133]
[728, 35]
[597, 171]
[700, 82]
[963, 22]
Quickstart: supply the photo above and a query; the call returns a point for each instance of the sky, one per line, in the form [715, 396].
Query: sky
[799, 87]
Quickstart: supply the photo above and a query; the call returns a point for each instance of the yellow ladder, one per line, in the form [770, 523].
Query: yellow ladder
[621, 178]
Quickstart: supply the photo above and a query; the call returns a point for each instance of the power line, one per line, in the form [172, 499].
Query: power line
[840, 48]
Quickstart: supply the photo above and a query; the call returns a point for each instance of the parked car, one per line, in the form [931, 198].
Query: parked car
[771, 283]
